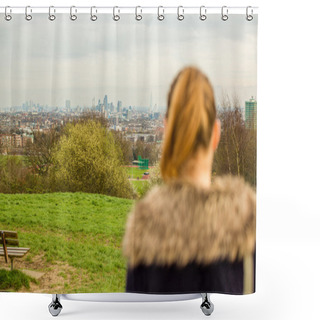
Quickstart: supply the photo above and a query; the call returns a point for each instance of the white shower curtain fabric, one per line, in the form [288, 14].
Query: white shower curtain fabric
[82, 109]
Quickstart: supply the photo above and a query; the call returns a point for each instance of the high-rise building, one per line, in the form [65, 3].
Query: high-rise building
[68, 105]
[251, 114]
[105, 102]
[119, 106]
[156, 115]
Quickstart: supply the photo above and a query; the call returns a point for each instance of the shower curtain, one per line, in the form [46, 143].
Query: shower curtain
[82, 105]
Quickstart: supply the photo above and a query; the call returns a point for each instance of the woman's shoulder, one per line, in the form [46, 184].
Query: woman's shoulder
[175, 221]
[226, 188]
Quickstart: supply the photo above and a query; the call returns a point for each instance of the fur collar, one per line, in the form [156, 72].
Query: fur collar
[179, 223]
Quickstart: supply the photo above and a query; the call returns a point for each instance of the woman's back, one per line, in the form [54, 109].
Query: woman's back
[183, 238]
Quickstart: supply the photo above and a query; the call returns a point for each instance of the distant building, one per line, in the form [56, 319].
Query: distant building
[68, 105]
[156, 115]
[251, 114]
[116, 128]
[99, 106]
[147, 137]
[10, 141]
[105, 102]
[119, 106]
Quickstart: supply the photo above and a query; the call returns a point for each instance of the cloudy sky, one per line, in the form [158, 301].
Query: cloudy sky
[51, 62]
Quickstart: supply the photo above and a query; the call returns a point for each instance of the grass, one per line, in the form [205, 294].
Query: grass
[80, 229]
[140, 186]
[135, 173]
[14, 279]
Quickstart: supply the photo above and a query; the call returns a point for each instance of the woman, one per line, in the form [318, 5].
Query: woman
[190, 235]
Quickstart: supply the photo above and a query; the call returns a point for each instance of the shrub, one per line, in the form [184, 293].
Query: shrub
[87, 159]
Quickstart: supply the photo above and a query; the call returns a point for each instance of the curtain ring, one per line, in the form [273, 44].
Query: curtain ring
[138, 16]
[73, 17]
[7, 16]
[249, 17]
[93, 17]
[160, 16]
[116, 17]
[28, 16]
[203, 16]
[180, 16]
[52, 16]
[224, 16]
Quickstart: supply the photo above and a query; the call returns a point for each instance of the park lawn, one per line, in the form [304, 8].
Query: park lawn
[77, 233]
[140, 186]
[135, 173]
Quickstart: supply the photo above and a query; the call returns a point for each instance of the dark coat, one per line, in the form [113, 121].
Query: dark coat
[186, 239]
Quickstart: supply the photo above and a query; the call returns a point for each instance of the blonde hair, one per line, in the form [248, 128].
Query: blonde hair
[190, 118]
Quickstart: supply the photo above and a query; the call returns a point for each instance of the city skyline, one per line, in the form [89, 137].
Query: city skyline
[154, 107]
[51, 62]
[69, 105]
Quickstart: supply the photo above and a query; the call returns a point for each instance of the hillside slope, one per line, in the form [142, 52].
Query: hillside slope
[74, 238]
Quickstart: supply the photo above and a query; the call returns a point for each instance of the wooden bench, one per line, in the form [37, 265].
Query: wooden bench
[14, 251]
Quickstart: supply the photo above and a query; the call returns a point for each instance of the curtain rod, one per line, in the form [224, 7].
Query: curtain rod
[126, 8]
[130, 7]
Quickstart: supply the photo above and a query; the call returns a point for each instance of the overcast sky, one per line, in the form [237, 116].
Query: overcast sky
[51, 62]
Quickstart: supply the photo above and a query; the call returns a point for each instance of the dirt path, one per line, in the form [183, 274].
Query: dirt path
[52, 278]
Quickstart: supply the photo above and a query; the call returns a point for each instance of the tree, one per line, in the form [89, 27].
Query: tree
[92, 115]
[236, 153]
[15, 177]
[39, 152]
[147, 150]
[1, 147]
[87, 159]
[5, 145]
[139, 149]
[152, 151]
[125, 146]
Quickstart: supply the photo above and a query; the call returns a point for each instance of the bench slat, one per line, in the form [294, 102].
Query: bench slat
[11, 242]
[10, 234]
[15, 253]
[15, 249]
[23, 251]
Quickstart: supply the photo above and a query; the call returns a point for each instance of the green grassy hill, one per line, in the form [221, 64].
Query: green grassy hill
[74, 238]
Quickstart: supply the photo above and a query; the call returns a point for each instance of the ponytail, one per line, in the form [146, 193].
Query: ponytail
[190, 118]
